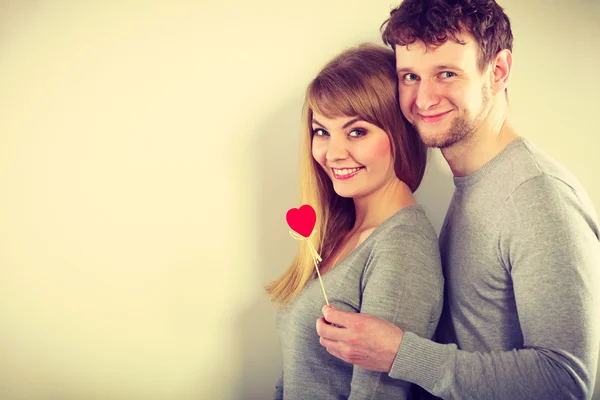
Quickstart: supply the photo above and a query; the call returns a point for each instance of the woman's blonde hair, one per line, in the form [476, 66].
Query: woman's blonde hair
[360, 82]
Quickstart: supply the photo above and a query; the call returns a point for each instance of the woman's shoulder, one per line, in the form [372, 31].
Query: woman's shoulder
[364, 235]
[409, 223]
[406, 234]
[408, 243]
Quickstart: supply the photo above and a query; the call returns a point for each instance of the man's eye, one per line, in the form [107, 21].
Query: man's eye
[410, 77]
[447, 74]
[320, 132]
[356, 133]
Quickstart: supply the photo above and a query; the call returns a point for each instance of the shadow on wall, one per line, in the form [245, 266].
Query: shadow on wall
[277, 153]
[436, 189]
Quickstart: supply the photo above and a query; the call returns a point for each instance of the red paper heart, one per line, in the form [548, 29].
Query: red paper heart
[302, 220]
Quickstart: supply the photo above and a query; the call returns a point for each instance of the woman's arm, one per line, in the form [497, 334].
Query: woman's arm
[402, 284]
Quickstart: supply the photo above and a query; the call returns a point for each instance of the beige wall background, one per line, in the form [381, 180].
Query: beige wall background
[148, 154]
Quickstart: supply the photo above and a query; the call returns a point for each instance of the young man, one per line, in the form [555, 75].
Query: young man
[520, 242]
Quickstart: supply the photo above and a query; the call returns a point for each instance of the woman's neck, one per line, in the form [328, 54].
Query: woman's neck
[380, 205]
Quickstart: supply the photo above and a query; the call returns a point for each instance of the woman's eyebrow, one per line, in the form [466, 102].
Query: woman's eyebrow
[347, 124]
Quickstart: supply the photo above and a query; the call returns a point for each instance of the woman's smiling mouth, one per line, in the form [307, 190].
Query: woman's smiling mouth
[345, 173]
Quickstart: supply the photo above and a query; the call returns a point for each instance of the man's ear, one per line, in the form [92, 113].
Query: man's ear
[501, 67]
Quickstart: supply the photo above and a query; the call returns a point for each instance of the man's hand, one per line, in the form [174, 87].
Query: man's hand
[360, 339]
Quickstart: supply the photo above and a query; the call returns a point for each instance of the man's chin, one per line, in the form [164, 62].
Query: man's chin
[439, 140]
[432, 139]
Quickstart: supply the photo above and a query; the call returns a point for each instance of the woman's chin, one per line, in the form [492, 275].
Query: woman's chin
[348, 194]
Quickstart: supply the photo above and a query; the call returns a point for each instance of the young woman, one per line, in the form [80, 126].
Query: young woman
[361, 164]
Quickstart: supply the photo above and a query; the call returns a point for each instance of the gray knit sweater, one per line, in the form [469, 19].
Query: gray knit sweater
[521, 257]
[395, 274]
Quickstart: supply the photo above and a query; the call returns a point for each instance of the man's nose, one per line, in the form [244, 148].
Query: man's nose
[427, 96]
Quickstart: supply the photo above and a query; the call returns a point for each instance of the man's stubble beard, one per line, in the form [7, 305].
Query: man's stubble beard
[462, 127]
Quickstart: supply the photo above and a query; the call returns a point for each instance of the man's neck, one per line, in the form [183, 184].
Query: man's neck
[486, 142]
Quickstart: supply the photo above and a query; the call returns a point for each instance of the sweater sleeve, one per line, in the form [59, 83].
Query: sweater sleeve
[403, 284]
[549, 245]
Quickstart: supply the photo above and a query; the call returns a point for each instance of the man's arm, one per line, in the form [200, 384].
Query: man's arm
[555, 257]
[360, 339]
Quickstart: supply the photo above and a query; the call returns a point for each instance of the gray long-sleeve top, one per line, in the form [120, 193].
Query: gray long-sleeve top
[521, 256]
[395, 274]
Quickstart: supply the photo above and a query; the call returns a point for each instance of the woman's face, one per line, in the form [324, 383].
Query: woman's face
[356, 155]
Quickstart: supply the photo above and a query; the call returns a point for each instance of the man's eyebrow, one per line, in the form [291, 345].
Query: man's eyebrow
[347, 124]
[441, 67]
[448, 66]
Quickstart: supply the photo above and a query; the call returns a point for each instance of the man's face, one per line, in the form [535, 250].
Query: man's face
[442, 91]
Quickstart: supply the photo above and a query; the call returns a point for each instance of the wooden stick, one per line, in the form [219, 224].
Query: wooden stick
[316, 259]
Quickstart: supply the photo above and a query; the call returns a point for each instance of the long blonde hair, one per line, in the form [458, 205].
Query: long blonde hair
[361, 82]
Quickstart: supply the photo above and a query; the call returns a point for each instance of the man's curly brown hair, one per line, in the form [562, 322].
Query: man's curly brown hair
[435, 21]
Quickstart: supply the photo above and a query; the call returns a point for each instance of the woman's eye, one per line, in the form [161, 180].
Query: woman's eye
[447, 74]
[355, 133]
[320, 132]
[410, 77]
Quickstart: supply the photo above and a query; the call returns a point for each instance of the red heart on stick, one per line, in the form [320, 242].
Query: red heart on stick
[302, 220]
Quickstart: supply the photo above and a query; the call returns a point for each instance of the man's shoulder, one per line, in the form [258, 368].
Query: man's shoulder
[532, 172]
[545, 189]
[530, 163]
